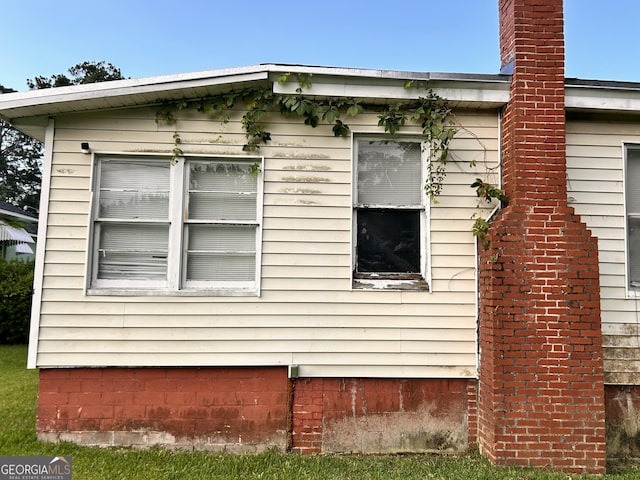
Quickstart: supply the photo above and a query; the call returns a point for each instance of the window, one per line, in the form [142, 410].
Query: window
[189, 227]
[389, 214]
[632, 183]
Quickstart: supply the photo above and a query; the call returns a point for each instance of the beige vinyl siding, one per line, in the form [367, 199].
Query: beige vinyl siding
[307, 312]
[595, 157]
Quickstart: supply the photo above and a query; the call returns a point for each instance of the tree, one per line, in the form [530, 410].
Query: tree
[85, 72]
[20, 155]
[20, 166]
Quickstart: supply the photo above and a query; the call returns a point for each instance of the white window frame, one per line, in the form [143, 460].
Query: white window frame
[176, 283]
[392, 281]
[633, 288]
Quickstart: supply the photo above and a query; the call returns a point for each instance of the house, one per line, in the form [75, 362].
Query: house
[18, 232]
[216, 275]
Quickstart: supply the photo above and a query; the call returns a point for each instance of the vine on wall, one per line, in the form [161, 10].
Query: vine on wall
[431, 112]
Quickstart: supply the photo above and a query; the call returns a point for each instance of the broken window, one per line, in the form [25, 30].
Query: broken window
[389, 213]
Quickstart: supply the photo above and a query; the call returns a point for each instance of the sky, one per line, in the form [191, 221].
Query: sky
[158, 37]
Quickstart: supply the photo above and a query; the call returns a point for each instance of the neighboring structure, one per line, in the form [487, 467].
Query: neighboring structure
[18, 232]
[182, 300]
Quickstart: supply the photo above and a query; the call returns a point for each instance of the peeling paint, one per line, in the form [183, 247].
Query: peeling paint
[144, 439]
[396, 432]
[317, 168]
[306, 179]
[389, 284]
[187, 151]
[160, 151]
[300, 191]
[301, 156]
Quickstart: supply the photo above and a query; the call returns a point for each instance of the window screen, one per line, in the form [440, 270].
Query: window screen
[192, 225]
[133, 220]
[221, 227]
[389, 208]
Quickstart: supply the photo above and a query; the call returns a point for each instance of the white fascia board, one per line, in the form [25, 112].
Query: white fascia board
[482, 93]
[129, 92]
[602, 99]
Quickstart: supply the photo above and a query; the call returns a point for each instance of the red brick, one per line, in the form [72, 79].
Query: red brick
[529, 322]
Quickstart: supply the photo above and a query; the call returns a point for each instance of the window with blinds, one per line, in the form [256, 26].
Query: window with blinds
[389, 211]
[132, 224]
[632, 201]
[221, 227]
[193, 226]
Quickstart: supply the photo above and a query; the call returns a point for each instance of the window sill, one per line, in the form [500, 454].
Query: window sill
[390, 284]
[131, 292]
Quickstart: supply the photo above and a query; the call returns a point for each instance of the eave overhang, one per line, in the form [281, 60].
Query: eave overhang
[30, 111]
[602, 97]
[16, 215]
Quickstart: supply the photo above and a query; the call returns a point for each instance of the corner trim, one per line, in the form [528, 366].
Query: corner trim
[34, 331]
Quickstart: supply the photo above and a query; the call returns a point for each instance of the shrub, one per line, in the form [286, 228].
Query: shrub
[16, 290]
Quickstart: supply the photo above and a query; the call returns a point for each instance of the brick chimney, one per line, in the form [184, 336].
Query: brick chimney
[541, 383]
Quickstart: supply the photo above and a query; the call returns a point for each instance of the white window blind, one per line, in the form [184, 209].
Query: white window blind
[190, 226]
[221, 226]
[389, 173]
[133, 220]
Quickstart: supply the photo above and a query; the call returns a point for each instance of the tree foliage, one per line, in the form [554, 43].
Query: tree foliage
[20, 166]
[20, 155]
[85, 72]
[16, 280]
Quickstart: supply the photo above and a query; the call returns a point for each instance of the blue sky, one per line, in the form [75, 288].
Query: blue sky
[146, 38]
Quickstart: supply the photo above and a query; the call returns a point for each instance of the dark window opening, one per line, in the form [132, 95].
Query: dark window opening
[388, 241]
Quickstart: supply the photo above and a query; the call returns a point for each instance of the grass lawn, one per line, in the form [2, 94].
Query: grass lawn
[18, 390]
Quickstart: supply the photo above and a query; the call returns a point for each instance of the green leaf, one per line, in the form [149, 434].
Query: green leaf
[355, 109]
[284, 78]
[340, 129]
[331, 114]
[311, 120]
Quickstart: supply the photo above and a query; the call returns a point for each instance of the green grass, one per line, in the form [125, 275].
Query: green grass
[18, 391]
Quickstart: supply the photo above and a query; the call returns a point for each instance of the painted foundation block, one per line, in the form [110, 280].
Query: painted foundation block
[235, 409]
[381, 415]
[250, 409]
